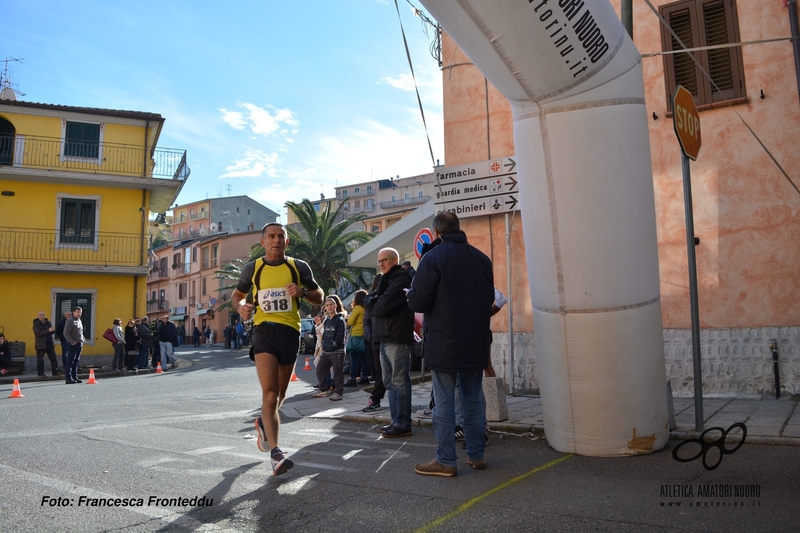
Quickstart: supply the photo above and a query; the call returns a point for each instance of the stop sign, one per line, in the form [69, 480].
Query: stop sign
[686, 122]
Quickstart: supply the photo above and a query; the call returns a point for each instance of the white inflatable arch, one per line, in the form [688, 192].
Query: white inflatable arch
[574, 80]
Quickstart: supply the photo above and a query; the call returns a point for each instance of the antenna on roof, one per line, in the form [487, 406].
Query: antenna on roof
[228, 186]
[7, 92]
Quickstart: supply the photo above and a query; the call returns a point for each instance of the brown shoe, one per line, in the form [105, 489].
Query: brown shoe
[435, 469]
[477, 464]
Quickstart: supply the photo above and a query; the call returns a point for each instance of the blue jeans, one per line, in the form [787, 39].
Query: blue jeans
[460, 410]
[396, 367]
[73, 361]
[444, 414]
[141, 361]
[166, 353]
[64, 353]
[358, 365]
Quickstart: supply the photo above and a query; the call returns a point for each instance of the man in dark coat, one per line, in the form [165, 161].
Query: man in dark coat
[454, 288]
[394, 329]
[43, 331]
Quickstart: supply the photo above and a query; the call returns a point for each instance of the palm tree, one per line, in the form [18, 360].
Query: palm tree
[325, 244]
[231, 271]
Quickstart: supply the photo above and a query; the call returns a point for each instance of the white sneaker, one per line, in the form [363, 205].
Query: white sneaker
[335, 397]
[424, 413]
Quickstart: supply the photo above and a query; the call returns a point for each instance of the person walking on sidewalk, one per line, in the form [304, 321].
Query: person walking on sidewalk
[332, 351]
[394, 329]
[43, 330]
[454, 288]
[73, 332]
[269, 290]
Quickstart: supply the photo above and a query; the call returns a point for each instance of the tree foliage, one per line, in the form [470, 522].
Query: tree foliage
[322, 242]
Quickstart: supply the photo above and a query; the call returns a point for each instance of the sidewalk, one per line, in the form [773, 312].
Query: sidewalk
[768, 421]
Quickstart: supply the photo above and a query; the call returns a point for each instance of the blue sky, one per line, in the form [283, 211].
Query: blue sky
[278, 100]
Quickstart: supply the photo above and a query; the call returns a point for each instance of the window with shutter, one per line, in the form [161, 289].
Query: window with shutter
[702, 24]
[77, 221]
[82, 140]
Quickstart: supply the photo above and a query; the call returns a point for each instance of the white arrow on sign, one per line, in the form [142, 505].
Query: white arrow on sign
[476, 188]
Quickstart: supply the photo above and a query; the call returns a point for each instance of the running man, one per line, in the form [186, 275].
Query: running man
[277, 283]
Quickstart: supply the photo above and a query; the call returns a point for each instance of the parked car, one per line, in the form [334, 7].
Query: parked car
[307, 338]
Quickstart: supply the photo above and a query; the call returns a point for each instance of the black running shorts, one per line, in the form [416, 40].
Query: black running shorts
[277, 339]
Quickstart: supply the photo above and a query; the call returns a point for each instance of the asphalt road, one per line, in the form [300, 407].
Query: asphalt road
[71, 455]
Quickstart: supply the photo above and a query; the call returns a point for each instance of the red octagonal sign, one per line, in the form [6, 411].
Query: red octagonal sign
[686, 122]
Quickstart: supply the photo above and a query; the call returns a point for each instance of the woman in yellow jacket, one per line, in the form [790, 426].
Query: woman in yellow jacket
[355, 344]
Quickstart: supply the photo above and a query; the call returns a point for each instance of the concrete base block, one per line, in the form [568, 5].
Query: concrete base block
[495, 392]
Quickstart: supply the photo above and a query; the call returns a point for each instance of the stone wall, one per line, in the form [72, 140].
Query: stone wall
[736, 362]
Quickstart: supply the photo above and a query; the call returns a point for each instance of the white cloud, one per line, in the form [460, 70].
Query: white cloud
[233, 118]
[259, 119]
[253, 164]
[405, 82]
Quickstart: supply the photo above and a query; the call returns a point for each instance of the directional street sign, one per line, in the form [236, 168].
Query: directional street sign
[477, 189]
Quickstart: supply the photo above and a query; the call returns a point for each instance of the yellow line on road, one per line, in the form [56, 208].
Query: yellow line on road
[466, 505]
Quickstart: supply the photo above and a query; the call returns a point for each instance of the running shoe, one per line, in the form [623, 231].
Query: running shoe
[424, 413]
[280, 464]
[372, 406]
[261, 440]
[459, 433]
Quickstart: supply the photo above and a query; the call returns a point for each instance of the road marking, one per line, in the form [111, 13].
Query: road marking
[466, 505]
[211, 449]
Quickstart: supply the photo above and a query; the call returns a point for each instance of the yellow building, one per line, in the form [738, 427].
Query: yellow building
[78, 188]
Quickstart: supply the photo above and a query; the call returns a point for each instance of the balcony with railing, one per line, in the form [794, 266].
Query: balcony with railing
[88, 251]
[50, 153]
[157, 305]
[198, 216]
[404, 202]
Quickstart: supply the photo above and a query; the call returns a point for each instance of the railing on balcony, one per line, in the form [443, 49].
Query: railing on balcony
[404, 202]
[197, 216]
[29, 245]
[30, 151]
[159, 305]
[158, 273]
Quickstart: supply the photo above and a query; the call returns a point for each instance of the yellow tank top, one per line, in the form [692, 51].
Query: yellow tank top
[272, 301]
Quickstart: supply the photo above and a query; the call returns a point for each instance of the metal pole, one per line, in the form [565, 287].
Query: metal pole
[626, 16]
[690, 244]
[510, 292]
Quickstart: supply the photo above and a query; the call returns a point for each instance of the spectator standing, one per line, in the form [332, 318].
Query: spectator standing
[146, 342]
[240, 333]
[373, 349]
[167, 334]
[73, 333]
[181, 335]
[277, 286]
[332, 356]
[119, 346]
[454, 288]
[5, 354]
[409, 269]
[359, 365]
[197, 336]
[131, 345]
[394, 329]
[43, 330]
[207, 335]
[60, 337]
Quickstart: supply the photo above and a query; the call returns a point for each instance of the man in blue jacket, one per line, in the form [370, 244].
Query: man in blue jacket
[454, 288]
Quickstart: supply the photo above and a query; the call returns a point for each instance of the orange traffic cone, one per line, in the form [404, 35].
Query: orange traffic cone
[308, 365]
[91, 381]
[294, 377]
[158, 368]
[15, 392]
